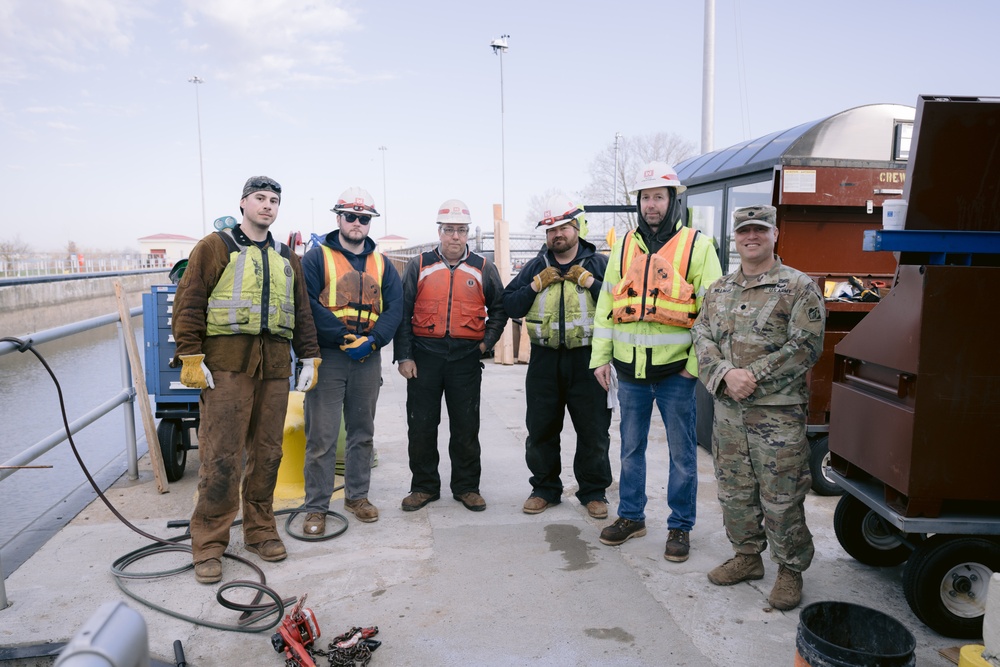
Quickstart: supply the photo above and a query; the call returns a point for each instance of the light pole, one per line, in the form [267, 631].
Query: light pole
[499, 46]
[385, 199]
[614, 218]
[201, 165]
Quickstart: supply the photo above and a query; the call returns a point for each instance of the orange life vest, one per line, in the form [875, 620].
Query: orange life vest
[354, 297]
[654, 286]
[450, 302]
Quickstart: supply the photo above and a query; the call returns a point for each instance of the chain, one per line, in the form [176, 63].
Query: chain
[358, 654]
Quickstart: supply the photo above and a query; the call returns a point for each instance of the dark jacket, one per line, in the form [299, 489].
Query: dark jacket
[329, 329]
[518, 295]
[264, 355]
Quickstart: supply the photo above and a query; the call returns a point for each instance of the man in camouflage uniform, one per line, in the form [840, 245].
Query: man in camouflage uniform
[759, 332]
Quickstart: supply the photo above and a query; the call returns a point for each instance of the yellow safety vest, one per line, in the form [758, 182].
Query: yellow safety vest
[543, 320]
[236, 305]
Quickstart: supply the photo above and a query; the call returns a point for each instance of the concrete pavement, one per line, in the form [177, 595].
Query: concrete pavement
[447, 586]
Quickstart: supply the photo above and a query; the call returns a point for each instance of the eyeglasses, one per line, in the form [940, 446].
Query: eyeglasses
[453, 231]
[351, 217]
[265, 183]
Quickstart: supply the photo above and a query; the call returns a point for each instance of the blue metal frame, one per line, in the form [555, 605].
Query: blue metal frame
[943, 246]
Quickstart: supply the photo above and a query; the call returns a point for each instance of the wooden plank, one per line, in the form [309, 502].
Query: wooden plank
[503, 352]
[141, 394]
[524, 345]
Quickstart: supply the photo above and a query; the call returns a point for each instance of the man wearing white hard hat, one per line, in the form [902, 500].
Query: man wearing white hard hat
[653, 289]
[452, 315]
[556, 293]
[357, 303]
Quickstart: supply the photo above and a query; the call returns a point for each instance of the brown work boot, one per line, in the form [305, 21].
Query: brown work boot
[741, 567]
[208, 571]
[535, 505]
[315, 523]
[621, 530]
[362, 509]
[269, 550]
[678, 545]
[597, 509]
[418, 499]
[472, 501]
[787, 591]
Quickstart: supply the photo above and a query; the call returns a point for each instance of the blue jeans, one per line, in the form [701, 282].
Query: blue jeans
[674, 396]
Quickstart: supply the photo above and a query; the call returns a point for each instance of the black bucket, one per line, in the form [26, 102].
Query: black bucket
[841, 634]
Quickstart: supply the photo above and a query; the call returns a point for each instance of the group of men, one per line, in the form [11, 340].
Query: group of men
[628, 331]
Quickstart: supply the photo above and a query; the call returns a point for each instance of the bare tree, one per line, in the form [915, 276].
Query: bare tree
[10, 250]
[536, 205]
[633, 152]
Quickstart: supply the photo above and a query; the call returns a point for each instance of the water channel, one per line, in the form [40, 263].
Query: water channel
[36, 501]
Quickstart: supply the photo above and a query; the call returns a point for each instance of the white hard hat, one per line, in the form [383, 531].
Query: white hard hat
[559, 210]
[454, 212]
[657, 175]
[355, 200]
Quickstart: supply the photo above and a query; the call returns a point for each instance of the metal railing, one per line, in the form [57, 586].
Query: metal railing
[20, 266]
[124, 398]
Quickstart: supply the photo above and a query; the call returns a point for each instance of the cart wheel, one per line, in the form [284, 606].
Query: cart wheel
[174, 446]
[819, 464]
[866, 536]
[946, 580]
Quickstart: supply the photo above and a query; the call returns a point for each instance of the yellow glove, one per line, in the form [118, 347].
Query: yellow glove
[308, 377]
[194, 372]
[356, 348]
[548, 276]
[579, 275]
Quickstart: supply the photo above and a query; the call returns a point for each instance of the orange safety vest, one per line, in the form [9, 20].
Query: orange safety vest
[450, 302]
[354, 297]
[656, 290]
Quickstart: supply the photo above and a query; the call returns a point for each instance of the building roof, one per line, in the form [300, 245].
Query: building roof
[861, 133]
[167, 237]
[392, 237]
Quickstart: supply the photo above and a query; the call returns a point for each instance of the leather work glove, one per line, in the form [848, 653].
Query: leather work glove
[579, 275]
[548, 276]
[308, 376]
[194, 372]
[358, 348]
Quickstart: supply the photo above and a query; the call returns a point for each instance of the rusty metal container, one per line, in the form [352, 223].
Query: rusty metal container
[915, 401]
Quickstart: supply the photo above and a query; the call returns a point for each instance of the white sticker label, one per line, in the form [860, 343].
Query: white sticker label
[800, 180]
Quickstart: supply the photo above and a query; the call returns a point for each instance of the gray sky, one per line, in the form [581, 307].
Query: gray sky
[99, 129]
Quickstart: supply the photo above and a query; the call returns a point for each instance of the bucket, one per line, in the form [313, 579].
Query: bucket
[841, 634]
[893, 214]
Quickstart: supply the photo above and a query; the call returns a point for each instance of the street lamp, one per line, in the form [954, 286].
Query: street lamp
[385, 199]
[499, 46]
[201, 166]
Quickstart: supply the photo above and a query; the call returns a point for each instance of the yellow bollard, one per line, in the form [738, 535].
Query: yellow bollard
[971, 655]
[290, 492]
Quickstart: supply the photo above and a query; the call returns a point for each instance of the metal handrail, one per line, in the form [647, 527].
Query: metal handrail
[124, 398]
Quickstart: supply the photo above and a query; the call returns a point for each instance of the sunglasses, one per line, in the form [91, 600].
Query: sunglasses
[351, 217]
[267, 183]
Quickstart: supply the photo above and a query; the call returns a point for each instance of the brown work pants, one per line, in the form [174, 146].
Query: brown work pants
[242, 419]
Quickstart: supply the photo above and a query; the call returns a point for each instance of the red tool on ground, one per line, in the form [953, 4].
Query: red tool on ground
[297, 632]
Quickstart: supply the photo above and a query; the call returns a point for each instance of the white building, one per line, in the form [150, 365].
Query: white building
[171, 247]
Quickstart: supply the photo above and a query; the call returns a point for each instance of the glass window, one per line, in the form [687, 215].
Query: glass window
[749, 194]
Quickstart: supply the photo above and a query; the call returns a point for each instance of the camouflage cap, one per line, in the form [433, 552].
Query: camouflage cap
[258, 183]
[765, 216]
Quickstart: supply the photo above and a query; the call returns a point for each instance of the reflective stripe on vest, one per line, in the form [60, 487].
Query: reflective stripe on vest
[654, 286]
[644, 340]
[450, 301]
[543, 320]
[356, 295]
[236, 304]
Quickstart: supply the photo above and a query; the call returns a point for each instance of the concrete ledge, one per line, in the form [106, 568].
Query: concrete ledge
[29, 308]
